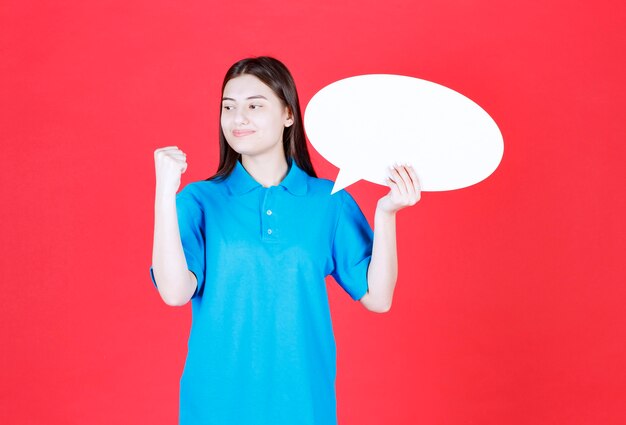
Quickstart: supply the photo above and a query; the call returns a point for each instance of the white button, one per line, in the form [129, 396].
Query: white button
[268, 212]
[269, 231]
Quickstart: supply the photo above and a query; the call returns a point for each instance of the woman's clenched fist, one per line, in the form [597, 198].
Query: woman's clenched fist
[169, 163]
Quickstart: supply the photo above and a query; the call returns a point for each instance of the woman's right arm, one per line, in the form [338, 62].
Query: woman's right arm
[176, 284]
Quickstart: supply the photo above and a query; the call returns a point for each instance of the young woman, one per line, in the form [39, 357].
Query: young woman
[251, 248]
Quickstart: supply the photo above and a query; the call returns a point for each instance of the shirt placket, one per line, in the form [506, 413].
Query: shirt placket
[269, 231]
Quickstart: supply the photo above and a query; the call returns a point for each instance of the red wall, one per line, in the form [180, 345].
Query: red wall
[509, 306]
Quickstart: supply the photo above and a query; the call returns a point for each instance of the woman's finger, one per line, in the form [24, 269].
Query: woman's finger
[397, 178]
[166, 149]
[406, 178]
[392, 185]
[416, 181]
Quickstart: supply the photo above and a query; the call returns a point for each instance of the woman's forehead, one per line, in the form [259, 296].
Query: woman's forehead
[247, 86]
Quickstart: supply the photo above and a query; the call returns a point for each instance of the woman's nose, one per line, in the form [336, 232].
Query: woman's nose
[240, 116]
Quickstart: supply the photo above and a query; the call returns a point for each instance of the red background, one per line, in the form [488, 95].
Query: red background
[509, 308]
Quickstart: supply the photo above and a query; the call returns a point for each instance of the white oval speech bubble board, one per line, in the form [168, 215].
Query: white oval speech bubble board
[366, 123]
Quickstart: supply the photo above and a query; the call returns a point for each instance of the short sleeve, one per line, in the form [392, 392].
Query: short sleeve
[192, 230]
[352, 248]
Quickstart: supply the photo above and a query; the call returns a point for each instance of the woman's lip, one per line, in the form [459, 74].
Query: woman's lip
[239, 133]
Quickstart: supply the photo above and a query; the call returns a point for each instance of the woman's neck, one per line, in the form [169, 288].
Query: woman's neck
[267, 170]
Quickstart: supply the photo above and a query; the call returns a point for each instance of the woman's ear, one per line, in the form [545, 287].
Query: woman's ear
[289, 121]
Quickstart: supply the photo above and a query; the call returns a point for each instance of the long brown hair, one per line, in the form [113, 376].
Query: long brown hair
[276, 76]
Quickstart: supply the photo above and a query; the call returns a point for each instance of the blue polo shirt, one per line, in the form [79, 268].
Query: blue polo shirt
[261, 348]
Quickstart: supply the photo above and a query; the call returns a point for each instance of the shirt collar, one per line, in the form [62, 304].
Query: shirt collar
[240, 181]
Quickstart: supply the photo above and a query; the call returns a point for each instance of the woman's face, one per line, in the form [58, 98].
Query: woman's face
[253, 117]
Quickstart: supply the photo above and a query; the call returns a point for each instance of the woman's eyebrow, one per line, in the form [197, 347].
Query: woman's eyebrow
[258, 96]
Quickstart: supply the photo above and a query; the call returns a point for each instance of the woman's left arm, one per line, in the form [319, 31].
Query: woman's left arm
[383, 269]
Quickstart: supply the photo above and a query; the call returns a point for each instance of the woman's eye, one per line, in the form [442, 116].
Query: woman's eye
[228, 108]
[255, 106]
